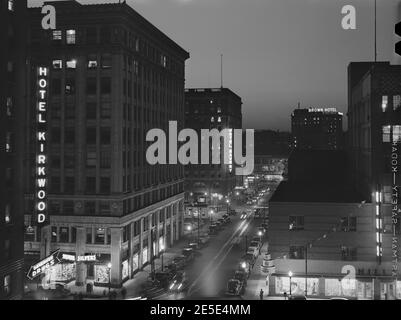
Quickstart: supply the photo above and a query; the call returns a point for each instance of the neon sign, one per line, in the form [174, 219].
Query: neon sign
[41, 158]
[43, 265]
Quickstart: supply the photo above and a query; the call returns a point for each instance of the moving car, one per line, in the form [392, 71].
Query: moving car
[234, 287]
[163, 278]
[179, 282]
[179, 262]
[243, 215]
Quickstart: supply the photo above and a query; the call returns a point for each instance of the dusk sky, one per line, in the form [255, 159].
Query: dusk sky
[276, 52]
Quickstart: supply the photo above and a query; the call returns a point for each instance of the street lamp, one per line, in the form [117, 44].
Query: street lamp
[109, 267]
[243, 265]
[211, 214]
[290, 275]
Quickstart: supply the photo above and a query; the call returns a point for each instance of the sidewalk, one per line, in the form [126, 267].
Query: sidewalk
[257, 280]
[135, 285]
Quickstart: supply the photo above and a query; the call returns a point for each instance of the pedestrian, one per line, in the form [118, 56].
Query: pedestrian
[285, 295]
[261, 294]
[124, 292]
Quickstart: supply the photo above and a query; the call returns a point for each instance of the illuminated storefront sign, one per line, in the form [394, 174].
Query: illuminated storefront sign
[41, 137]
[43, 265]
[394, 207]
[68, 257]
[297, 285]
[88, 258]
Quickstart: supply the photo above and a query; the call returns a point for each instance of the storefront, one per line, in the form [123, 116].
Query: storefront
[135, 259]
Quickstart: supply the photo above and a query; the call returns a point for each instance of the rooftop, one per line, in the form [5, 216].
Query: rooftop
[315, 192]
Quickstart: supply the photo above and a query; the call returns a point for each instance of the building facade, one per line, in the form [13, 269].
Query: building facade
[317, 129]
[211, 109]
[113, 76]
[13, 101]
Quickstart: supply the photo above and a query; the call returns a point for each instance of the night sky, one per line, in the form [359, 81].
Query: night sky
[276, 52]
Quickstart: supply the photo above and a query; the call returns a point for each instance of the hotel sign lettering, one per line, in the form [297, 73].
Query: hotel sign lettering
[394, 206]
[41, 149]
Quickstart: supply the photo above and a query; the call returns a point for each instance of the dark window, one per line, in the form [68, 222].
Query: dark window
[91, 35]
[106, 61]
[105, 85]
[64, 234]
[137, 228]
[105, 135]
[90, 207]
[91, 111]
[91, 135]
[68, 207]
[105, 185]
[297, 252]
[69, 135]
[100, 234]
[55, 184]
[88, 235]
[105, 159]
[55, 135]
[56, 86]
[69, 184]
[105, 110]
[91, 86]
[348, 253]
[90, 184]
[348, 224]
[296, 223]
[91, 159]
[70, 111]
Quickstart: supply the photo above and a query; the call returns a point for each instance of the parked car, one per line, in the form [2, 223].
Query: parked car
[188, 253]
[249, 257]
[242, 276]
[254, 251]
[204, 240]
[232, 212]
[222, 221]
[234, 287]
[255, 244]
[179, 262]
[163, 278]
[213, 229]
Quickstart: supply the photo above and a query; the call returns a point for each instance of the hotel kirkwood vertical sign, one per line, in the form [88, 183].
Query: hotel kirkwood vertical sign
[41, 145]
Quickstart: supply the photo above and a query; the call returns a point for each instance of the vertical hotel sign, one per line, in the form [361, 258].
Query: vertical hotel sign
[41, 147]
[394, 203]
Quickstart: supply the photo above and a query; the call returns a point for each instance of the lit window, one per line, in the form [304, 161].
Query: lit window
[219, 110]
[163, 61]
[7, 283]
[384, 103]
[57, 64]
[7, 217]
[219, 119]
[9, 106]
[396, 102]
[296, 223]
[8, 142]
[10, 66]
[92, 64]
[11, 5]
[396, 134]
[71, 36]
[386, 133]
[212, 119]
[71, 64]
[57, 35]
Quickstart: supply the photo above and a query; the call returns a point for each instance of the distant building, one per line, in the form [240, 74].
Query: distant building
[113, 77]
[319, 226]
[317, 129]
[12, 128]
[272, 143]
[211, 109]
[374, 142]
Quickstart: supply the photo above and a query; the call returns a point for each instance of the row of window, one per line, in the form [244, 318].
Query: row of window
[91, 135]
[296, 223]
[396, 99]
[347, 253]
[392, 133]
[91, 86]
[91, 63]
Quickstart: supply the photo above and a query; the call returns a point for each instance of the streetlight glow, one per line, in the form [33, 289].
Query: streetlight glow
[290, 274]
[109, 265]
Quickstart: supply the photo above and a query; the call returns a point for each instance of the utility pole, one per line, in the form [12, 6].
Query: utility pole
[375, 30]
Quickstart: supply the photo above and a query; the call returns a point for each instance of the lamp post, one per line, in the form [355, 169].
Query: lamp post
[290, 275]
[109, 267]
[228, 205]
